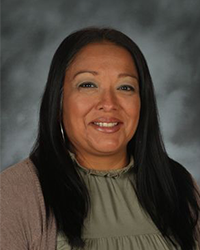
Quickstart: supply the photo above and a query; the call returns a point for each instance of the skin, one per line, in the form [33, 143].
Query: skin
[112, 92]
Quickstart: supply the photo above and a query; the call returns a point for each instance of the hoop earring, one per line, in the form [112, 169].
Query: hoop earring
[62, 132]
[61, 104]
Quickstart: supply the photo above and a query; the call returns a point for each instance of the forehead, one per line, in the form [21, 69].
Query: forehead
[104, 54]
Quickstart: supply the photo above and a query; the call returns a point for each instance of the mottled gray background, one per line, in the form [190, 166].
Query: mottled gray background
[168, 32]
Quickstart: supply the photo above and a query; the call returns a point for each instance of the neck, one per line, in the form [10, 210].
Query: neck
[102, 162]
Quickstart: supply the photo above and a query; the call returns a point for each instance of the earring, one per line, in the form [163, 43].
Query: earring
[62, 132]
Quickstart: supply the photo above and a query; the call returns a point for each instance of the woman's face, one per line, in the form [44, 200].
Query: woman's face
[101, 102]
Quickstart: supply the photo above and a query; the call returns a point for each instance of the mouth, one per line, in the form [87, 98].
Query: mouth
[107, 126]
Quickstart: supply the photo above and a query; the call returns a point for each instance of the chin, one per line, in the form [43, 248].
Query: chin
[111, 146]
[108, 149]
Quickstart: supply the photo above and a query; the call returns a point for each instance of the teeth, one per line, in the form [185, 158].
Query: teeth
[104, 124]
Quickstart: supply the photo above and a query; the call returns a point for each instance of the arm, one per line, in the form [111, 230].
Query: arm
[13, 235]
[23, 224]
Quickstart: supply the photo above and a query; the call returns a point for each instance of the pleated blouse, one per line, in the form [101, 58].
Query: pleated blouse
[116, 221]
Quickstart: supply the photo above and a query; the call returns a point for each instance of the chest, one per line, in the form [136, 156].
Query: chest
[115, 210]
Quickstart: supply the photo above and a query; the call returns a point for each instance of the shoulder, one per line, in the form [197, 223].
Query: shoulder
[20, 190]
[20, 170]
[22, 206]
[187, 187]
[20, 179]
[20, 185]
[181, 175]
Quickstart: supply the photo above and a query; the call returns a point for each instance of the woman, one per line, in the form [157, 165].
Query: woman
[99, 176]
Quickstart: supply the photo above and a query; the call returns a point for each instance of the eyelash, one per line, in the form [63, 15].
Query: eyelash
[92, 85]
[128, 87]
[86, 85]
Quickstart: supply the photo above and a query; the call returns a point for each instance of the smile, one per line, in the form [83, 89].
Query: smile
[107, 127]
[105, 124]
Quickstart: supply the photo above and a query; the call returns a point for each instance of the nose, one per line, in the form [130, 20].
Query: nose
[107, 101]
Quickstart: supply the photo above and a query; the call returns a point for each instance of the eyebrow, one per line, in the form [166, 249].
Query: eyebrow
[96, 73]
[126, 74]
[85, 71]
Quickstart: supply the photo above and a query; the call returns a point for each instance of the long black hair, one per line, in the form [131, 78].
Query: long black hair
[164, 188]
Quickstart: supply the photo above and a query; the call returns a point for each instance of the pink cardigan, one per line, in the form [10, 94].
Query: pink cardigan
[23, 221]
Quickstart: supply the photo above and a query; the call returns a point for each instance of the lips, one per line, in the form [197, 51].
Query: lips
[107, 120]
[107, 124]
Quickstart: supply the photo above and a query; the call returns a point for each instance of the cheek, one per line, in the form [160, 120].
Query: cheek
[133, 112]
[75, 112]
[133, 109]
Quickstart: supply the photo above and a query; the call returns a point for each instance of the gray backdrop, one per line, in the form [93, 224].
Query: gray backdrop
[166, 31]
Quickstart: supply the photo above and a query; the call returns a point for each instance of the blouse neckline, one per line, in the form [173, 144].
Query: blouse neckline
[103, 173]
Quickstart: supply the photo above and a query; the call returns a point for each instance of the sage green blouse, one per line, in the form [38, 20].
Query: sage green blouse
[116, 221]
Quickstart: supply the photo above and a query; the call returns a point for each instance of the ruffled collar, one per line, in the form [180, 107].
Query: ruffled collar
[103, 173]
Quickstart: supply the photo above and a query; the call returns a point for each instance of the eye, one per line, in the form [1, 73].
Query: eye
[126, 88]
[87, 85]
